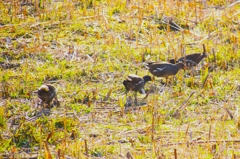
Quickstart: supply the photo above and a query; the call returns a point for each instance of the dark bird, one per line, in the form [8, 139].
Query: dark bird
[191, 60]
[188, 63]
[47, 93]
[165, 69]
[136, 84]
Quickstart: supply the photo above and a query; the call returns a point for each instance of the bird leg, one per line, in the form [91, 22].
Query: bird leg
[49, 104]
[166, 81]
[127, 103]
[57, 101]
[193, 71]
[126, 96]
[135, 95]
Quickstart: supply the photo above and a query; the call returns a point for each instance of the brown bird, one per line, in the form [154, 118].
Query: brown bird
[191, 60]
[165, 69]
[47, 93]
[136, 84]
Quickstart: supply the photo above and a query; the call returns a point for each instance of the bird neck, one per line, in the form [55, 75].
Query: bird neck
[146, 79]
[201, 57]
[177, 68]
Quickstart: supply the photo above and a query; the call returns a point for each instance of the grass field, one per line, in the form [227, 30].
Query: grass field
[87, 48]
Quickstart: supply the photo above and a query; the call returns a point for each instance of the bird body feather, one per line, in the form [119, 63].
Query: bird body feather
[164, 69]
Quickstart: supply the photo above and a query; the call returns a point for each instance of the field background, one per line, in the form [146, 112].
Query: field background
[86, 49]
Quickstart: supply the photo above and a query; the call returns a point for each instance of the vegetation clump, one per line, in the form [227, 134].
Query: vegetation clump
[85, 49]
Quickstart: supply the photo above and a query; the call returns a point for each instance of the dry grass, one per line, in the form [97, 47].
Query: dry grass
[86, 48]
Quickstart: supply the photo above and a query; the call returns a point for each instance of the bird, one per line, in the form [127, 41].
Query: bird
[191, 60]
[47, 93]
[136, 83]
[188, 63]
[165, 69]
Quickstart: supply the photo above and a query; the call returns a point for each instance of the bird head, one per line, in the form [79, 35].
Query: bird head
[147, 78]
[172, 61]
[204, 55]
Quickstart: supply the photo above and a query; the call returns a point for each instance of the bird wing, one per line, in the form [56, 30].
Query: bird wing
[133, 81]
[188, 62]
[140, 82]
[193, 57]
[159, 69]
[191, 63]
[134, 78]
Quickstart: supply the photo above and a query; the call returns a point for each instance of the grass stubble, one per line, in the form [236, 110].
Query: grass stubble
[86, 48]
